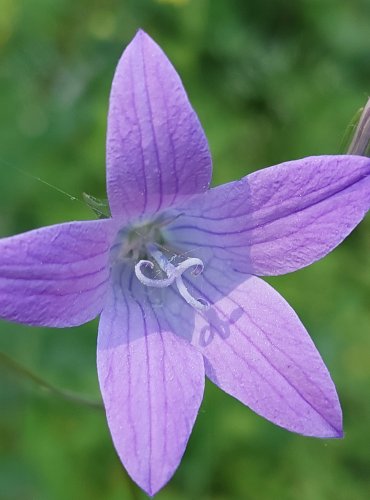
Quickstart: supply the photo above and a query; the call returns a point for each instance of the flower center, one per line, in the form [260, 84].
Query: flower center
[146, 246]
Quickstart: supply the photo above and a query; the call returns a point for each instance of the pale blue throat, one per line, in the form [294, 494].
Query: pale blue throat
[156, 263]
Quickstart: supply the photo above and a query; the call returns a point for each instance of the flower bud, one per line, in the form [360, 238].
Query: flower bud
[360, 144]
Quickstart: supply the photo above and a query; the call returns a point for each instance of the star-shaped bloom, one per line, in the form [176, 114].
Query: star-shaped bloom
[175, 273]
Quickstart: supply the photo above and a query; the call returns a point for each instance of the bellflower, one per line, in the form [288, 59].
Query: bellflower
[175, 271]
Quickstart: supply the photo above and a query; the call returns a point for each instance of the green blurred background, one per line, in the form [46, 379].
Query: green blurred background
[271, 81]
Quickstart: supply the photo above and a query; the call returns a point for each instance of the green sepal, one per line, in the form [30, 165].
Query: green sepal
[99, 207]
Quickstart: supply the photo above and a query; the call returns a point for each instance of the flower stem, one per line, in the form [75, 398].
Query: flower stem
[19, 369]
[16, 367]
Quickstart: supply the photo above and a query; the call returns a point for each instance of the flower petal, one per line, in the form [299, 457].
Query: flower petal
[257, 350]
[157, 152]
[152, 383]
[57, 275]
[279, 219]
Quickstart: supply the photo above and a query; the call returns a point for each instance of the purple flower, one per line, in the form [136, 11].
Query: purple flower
[174, 273]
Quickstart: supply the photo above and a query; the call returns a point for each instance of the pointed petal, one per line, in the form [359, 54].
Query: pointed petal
[257, 350]
[279, 219]
[57, 275]
[157, 152]
[152, 384]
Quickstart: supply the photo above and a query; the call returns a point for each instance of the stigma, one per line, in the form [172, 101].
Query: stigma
[172, 274]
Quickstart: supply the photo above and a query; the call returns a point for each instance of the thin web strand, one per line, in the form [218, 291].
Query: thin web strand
[46, 183]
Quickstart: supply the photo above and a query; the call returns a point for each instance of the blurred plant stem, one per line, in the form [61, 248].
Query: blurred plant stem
[12, 365]
[16, 367]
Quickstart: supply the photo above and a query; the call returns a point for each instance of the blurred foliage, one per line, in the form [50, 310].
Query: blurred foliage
[271, 81]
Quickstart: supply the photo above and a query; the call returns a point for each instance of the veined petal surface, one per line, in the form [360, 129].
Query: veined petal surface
[57, 275]
[257, 350]
[152, 383]
[278, 219]
[157, 153]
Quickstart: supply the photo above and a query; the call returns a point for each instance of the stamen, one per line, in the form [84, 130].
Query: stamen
[173, 274]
